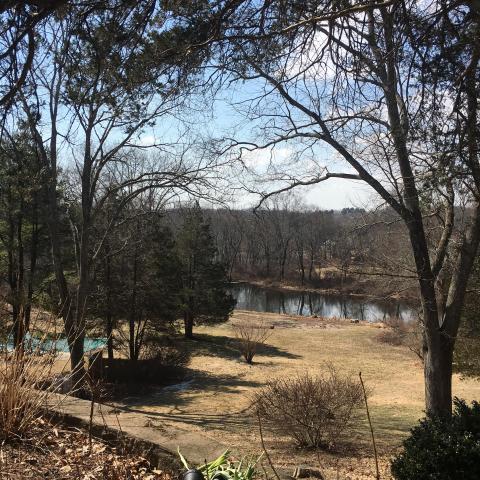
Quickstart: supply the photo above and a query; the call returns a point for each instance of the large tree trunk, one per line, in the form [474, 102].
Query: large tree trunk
[75, 335]
[438, 358]
[437, 351]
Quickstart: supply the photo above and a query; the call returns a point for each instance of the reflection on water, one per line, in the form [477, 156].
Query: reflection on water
[258, 299]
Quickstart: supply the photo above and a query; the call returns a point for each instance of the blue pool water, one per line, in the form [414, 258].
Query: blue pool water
[60, 345]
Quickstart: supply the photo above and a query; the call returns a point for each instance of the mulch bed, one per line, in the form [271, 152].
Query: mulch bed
[61, 453]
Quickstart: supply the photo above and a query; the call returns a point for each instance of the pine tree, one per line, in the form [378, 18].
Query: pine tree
[204, 296]
[139, 284]
[23, 244]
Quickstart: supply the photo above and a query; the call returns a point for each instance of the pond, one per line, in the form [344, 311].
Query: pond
[261, 299]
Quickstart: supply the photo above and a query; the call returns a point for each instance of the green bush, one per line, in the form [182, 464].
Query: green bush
[442, 448]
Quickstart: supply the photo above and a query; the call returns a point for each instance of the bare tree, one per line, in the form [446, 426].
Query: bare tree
[89, 99]
[391, 88]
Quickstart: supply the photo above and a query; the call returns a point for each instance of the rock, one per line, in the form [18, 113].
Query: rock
[303, 471]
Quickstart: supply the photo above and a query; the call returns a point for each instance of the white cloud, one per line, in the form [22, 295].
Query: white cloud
[146, 141]
[259, 160]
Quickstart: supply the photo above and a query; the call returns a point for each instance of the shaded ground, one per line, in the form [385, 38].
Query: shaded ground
[216, 396]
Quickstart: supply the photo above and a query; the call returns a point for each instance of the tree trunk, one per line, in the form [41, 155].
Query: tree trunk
[76, 359]
[109, 338]
[33, 266]
[438, 358]
[131, 329]
[310, 266]
[109, 316]
[83, 290]
[188, 320]
[283, 261]
[301, 265]
[133, 306]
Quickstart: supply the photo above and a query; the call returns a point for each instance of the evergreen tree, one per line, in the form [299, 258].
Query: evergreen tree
[138, 283]
[23, 243]
[204, 296]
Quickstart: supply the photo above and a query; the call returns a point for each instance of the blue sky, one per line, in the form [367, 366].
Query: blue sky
[223, 119]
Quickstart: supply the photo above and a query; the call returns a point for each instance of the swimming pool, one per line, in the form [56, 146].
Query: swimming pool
[59, 345]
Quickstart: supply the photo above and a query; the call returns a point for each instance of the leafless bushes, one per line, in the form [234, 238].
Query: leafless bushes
[251, 336]
[399, 332]
[315, 411]
[394, 334]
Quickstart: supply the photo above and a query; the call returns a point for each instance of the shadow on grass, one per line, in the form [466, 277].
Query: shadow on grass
[229, 348]
[241, 421]
[390, 427]
[195, 381]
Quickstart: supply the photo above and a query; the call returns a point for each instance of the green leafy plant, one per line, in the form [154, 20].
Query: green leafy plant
[442, 448]
[222, 468]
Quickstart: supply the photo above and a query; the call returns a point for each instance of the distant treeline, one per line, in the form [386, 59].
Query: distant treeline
[322, 248]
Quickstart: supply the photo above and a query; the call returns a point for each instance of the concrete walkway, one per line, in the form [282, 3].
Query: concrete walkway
[148, 437]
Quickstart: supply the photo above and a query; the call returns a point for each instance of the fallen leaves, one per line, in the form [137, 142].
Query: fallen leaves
[66, 454]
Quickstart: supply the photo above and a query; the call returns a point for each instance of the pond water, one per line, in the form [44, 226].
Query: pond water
[260, 299]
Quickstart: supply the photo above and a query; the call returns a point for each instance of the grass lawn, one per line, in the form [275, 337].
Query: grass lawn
[216, 396]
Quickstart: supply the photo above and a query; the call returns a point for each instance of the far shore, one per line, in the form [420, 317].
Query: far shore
[292, 287]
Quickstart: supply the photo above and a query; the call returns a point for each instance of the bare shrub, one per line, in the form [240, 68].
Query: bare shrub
[399, 332]
[251, 336]
[394, 332]
[315, 411]
[391, 337]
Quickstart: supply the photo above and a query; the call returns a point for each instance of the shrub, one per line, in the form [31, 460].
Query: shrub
[391, 337]
[251, 336]
[168, 352]
[158, 366]
[399, 332]
[466, 356]
[314, 411]
[395, 332]
[442, 448]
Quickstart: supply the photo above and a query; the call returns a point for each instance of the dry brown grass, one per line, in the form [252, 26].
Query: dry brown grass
[223, 385]
[22, 402]
[23, 373]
